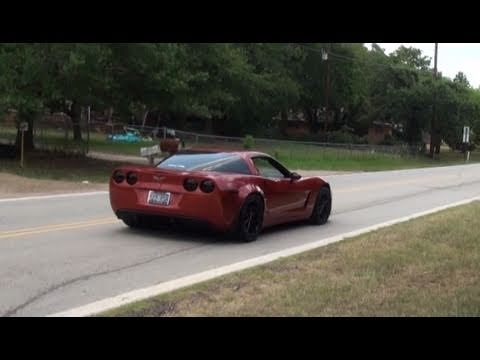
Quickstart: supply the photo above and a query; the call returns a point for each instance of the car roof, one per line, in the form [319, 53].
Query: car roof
[243, 154]
[250, 154]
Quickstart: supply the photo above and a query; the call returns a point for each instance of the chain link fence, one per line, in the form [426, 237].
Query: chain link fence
[52, 132]
[213, 142]
[55, 133]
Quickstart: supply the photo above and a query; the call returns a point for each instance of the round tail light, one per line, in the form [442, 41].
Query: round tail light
[132, 178]
[118, 176]
[190, 184]
[207, 186]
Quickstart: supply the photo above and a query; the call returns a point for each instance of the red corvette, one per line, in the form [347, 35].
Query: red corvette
[237, 192]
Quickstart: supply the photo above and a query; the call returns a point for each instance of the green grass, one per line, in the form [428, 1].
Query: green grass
[8, 133]
[105, 146]
[310, 157]
[314, 158]
[426, 267]
[98, 142]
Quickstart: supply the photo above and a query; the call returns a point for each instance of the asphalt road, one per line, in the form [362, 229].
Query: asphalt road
[61, 253]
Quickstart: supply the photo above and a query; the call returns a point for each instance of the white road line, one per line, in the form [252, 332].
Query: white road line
[141, 294]
[46, 197]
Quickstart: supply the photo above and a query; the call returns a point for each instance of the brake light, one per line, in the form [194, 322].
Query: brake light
[118, 176]
[207, 186]
[190, 184]
[132, 178]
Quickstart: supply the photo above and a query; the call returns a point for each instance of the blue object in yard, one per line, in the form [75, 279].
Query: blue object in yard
[130, 136]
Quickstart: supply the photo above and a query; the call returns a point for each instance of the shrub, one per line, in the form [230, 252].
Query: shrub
[248, 142]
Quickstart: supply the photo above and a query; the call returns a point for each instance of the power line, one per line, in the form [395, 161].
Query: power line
[348, 58]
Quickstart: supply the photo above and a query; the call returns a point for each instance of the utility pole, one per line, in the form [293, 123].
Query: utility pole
[433, 128]
[326, 58]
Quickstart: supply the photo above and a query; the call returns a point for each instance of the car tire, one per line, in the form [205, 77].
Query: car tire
[250, 219]
[323, 207]
[133, 221]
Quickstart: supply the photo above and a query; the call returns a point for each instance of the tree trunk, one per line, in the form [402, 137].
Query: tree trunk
[438, 144]
[209, 125]
[315, 119]
[432, 143]
[310, 117]
[283, 122]
[159, 119]
[181, 120]
[109, 114]
[144, 119]
[435, 143]
[76, 114]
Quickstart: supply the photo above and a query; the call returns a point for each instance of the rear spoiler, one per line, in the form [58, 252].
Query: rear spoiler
[192, 151]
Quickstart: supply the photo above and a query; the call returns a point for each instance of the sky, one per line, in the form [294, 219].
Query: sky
[452, 57]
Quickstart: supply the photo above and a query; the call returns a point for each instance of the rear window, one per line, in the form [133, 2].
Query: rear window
[219, 162]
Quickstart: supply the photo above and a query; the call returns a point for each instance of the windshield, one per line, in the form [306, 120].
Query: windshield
[219, 162]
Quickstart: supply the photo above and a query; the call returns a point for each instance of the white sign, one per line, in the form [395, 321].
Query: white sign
[149, 151]
[23, 126]
[466, 134]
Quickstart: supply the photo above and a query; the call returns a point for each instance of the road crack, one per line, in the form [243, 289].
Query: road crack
[53, 288]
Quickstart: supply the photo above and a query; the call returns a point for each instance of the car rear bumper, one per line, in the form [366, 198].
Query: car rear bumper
[188, 208]
[155, 219]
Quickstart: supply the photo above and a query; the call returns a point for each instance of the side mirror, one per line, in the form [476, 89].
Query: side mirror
[294, 176]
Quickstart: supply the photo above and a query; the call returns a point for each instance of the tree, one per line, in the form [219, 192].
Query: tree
[344, 80]
[412, 108]
[150, 77]
[236, 88]
[80, 75]
[465, 111]
[411, 57]
[54, 77]
[222, 78]
[461, 80]
[272, 86]
[23, 83]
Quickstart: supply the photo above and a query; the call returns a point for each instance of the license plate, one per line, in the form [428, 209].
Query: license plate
[159, 198]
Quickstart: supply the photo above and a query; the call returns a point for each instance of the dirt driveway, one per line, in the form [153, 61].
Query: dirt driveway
[16, 186]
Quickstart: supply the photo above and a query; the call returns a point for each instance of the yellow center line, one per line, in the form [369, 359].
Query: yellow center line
[111, 220]
[56, 227]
